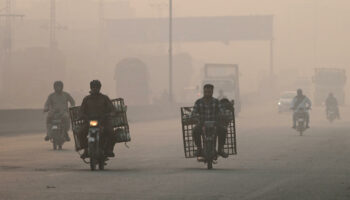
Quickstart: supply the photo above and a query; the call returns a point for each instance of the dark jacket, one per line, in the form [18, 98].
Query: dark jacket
[97, 106]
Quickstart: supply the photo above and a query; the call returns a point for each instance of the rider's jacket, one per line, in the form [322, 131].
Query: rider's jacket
[331, 101]
[208, 110]
[302, 102]
[96, 106]
[59, 101]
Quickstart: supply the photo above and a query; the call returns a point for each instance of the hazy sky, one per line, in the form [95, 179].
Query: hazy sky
[307, 33]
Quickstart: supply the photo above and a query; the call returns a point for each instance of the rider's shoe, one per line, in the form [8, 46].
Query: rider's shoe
[85, 154]
[47, 138]
[223, 154]
[109, 154]
[67, 138]
[307, 126]
[294, 126]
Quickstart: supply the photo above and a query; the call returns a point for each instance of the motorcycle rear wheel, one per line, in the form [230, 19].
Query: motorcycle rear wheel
[54, 145]
[101, 164]
[93, 164]
[210, 164]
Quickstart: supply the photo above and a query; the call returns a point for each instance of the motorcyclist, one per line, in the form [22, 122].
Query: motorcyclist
[332, 104]
[208, 108]
[301, 102]
[57, 103]
[97, 106]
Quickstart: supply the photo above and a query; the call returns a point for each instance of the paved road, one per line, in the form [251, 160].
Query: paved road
[273, 162]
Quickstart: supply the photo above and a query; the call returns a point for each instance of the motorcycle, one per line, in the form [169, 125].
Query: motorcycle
[96, 145]
[57, 131]
[331, 114]
[301, 120]
[96, 142]
[209, 138]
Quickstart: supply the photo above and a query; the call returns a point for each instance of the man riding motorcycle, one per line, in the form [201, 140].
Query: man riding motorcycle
[301, 102]
[209, 108]
[97, 106]
[57, 102]
[332, 104]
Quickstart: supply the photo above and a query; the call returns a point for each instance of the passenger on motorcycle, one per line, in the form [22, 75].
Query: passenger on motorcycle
[332, 104]
[209, 108]
[301, 102]
[57, 102]
[97, 106]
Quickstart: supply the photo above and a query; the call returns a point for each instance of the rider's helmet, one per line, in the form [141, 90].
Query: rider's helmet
[95, 83]
[299, 92]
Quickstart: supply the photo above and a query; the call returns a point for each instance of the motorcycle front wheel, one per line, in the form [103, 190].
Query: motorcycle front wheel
[92, 164]
[101, 164]
[93, 160]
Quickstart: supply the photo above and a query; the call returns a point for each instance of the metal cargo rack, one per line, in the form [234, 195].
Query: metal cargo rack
[188, 125]
[118, 121]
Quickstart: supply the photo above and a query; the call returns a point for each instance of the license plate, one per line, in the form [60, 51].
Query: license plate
[91, 139]
[54, 127]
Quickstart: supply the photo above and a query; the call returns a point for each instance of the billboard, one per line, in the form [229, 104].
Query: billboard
[190, 29]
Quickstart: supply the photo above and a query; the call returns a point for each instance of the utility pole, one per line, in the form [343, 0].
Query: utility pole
[53, 42]
[171, 51]
[101, 24]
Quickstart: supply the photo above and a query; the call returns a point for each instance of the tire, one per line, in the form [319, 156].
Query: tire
[54, 145]
[60, 147]
[93, 160]
[101, 164]
[93, 164]
[301, 128]
[210, 164]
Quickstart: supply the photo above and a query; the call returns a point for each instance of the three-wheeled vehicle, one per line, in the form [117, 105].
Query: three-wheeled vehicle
[209, 137]
[96, 143]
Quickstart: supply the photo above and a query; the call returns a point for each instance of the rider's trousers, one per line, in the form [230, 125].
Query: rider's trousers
[197, 131]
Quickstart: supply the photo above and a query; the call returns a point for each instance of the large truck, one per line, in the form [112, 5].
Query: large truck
[329, 80]
[225, 78]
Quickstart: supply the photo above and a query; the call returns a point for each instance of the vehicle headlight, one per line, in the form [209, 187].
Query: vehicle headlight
[93, 123]
[279, 103]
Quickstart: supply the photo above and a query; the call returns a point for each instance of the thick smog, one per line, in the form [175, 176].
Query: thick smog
[174, 99]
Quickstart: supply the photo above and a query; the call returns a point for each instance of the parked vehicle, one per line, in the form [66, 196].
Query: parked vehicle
[285, 101]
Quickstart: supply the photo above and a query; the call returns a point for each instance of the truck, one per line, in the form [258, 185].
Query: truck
[329, 80]
[225, 78]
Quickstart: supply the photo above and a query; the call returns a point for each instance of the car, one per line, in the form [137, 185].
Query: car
[285, 101]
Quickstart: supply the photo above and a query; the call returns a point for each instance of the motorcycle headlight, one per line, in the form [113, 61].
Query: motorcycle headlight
[93, 123]
[279, 103]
